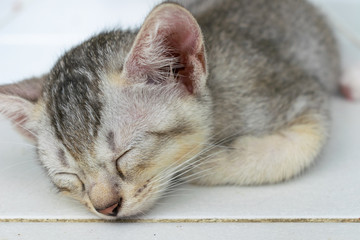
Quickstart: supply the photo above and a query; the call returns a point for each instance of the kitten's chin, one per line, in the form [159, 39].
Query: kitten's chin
[143, 203]
[136, 209]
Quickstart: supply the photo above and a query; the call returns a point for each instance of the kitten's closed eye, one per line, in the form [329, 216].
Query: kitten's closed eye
[118, 160]
[68, 182]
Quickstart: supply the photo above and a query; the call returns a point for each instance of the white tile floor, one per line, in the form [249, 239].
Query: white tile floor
[34, 33]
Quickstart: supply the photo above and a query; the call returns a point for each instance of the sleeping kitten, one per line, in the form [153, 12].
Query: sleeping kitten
[236, 94]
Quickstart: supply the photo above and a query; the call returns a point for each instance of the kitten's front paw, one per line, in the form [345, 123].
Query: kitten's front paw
[350, 83]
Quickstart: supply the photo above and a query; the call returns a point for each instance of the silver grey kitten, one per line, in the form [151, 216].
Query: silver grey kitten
[237, 94]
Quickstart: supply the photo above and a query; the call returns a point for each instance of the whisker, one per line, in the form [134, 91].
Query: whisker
[212, 146]
[188, 168]
[19, 143]
[197, 163]
[14, 165]
[173, 171]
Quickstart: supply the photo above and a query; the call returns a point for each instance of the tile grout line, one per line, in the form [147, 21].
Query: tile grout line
[185, 220]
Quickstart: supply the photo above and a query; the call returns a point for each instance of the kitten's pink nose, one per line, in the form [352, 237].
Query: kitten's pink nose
[112, 210]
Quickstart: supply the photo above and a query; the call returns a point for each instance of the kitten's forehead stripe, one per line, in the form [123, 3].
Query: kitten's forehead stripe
[76, 107]
[74, 100]
[73, 92]
[62, 158]
[110, 139]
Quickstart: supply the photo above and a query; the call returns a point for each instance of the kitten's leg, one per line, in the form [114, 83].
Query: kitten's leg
[350, 83]
[266, 159]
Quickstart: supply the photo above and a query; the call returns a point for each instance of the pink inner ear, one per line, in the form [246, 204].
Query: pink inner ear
[169, 41]
[183, 36]
[17, 103]
[21, 121]
[183, 41]
[18, 110]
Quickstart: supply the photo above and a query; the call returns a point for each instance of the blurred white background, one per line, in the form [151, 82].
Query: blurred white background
[34, 33]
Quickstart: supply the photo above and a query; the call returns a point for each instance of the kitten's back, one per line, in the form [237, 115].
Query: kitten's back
[295, 30]
[269, 61]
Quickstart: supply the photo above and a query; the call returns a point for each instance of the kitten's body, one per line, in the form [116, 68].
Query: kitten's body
[124, 112]
[271, 63]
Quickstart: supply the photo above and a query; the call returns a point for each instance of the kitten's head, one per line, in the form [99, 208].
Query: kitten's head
[119, 116]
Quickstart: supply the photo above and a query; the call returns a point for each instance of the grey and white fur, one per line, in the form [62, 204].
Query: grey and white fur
[237, 93]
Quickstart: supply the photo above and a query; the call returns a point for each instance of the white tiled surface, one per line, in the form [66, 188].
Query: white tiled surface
[180, 231]
[38, 32]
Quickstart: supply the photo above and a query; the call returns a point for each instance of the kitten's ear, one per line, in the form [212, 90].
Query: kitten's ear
[169, 47]
[17, 103]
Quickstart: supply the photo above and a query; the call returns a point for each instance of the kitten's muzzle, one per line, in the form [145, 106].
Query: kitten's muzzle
[112, 210]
